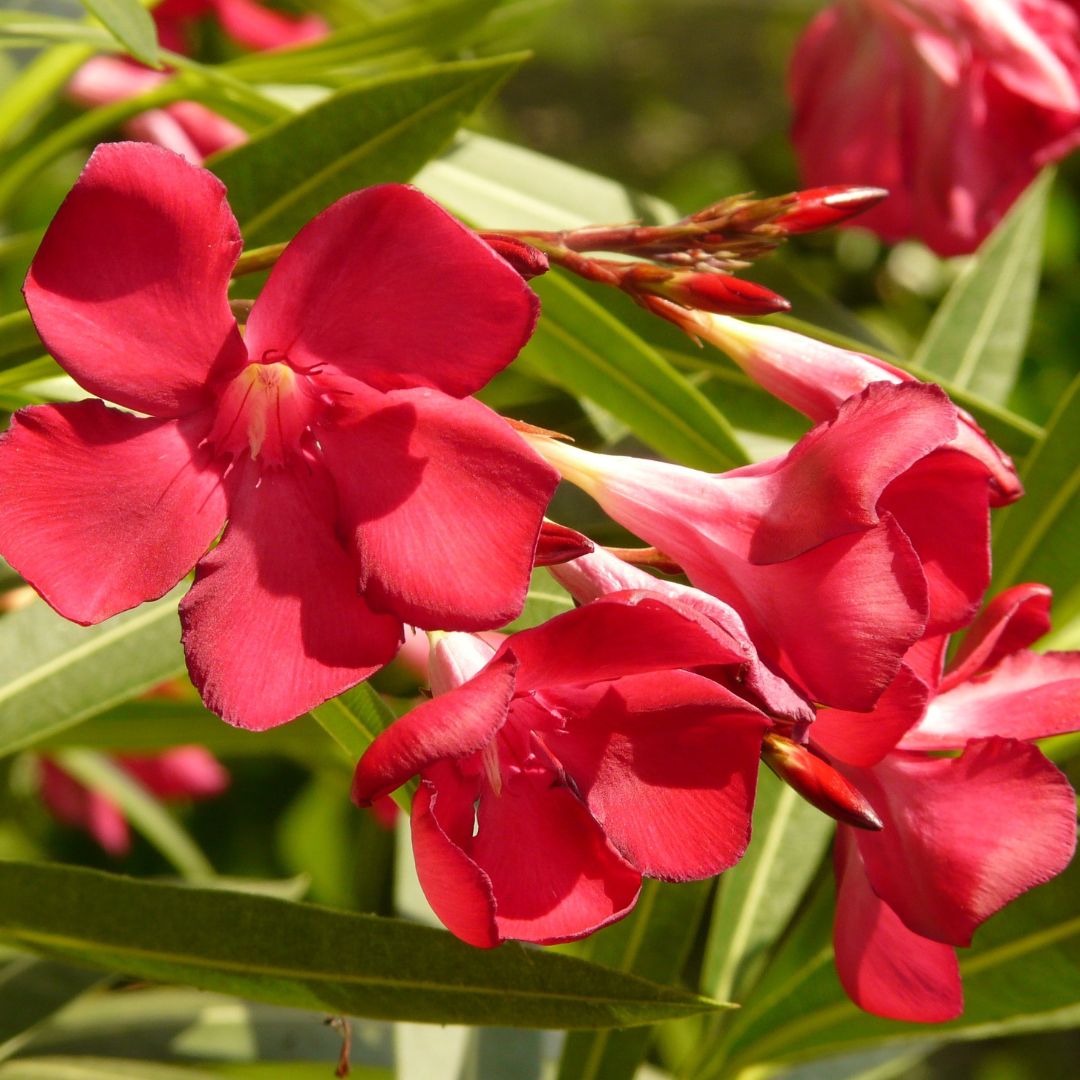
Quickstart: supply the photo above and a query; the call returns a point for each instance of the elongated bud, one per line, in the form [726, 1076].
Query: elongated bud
[717, 292]
[559, 544]
[818, 782]
[818, 208]
[524, 258]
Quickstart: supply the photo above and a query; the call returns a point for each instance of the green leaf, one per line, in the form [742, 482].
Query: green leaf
[758, 896]
[653, 941]
[32, 990]
[378, 131]
[131, 24]
[85, 1068]
[53, 674]
[1035, 538]
[1023, 974]
[590, 353]
[546, 599]
[977, 337]
[354, 720]
[20, 28]
[297, 954]
[140, 807]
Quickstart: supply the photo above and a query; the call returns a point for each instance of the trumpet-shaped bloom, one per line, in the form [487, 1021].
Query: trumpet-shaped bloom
[837, 555]
[362, 487]
[952, 105]
[963, 835]
[185, 772]
[559, 768]
[817, 379]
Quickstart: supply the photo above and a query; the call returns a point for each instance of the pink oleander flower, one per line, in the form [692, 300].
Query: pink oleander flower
[817, 379]
[186, 127]
[559, 768]
[838, 555]
[185, 772]
[953, 105]
[362, 487]
[963, 835]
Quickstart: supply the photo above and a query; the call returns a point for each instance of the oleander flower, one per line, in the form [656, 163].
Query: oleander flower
[963, 835]
[363, 488]
[559, 768]
[176, 775]
[838, 555]
[952, 105]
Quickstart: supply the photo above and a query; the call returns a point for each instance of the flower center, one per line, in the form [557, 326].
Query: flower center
[265, 410]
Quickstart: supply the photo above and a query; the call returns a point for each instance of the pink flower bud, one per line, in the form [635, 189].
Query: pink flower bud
[559, 544]
[708, 291]
[528, 261]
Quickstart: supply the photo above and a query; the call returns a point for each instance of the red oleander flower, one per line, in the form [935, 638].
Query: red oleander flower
[362, 487]
[963, 835]
[953, 105]
[185, 772]
[837, 555]
[559, 768]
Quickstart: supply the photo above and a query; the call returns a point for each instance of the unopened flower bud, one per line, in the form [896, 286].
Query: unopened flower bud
[524, 258]
[818, 782]
[821, 207]
[707, 291]
[559, 544]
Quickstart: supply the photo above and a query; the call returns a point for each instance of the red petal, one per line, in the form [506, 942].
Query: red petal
[184, 772]
[129, 287]
[446, 525]
[1027, 696]
[1013, 620]
[886, 968]
[458, 891]
[667, 763]
[386, 287]
[965, 836]
[279, 586]
[102, 509]
[261, 28]
[554, 875]
[453, 725]
[73, 804]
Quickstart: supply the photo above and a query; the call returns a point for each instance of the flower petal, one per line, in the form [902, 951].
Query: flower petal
[386, 287]
[667, 763]
[554, 875]
[965, 836]
[1027, 696]
[886, 968]
[261, 28]
[129, 287]
[280, 586]
[453, 725]
[458, 891]
[104, 510]
[183, 772]
[74, 804]
[444, 511]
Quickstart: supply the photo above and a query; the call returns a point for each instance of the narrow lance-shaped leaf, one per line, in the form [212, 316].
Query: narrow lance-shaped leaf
[297, 954]
[977, 338]
[131, 24]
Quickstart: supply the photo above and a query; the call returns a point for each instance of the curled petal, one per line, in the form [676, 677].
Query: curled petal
[964, 836]
[446, 524]
[104, 510]
[886, 968]
[129, 287]
[280, 586]
[370, 287]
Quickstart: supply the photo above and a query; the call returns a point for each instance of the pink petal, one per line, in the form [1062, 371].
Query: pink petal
[446, 525]
[279, 585]
[73, 804]
[458, 891]
[261, 28]
[942, 503]
[667, 763]
[102, 509]
[886, 968]
[128, 288]
[386, 287]
[964, 836]
[1027, 696]
[185, 772]
[864, 738]
[453, 725]
[553, 874]
[1013, 620]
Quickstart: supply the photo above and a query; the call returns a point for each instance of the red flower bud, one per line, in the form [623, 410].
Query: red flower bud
[559, 544]
[818, 782]
[709, 291]
[524, 258]
[820, 207]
